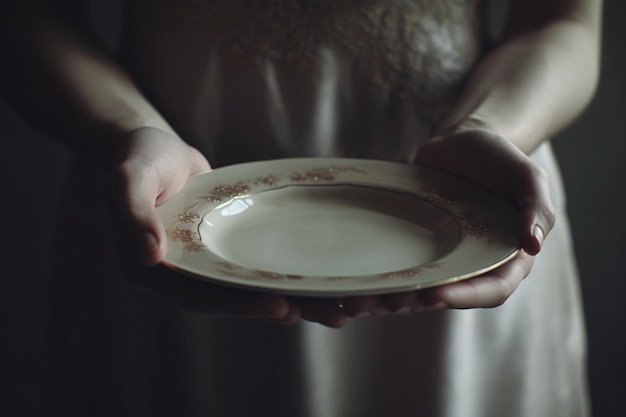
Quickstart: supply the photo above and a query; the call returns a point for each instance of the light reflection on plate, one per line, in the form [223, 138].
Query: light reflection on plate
[335, 227]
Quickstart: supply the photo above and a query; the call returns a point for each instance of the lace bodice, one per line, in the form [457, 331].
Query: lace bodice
[417, 51]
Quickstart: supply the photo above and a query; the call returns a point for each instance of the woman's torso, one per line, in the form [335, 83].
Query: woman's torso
[255, 79]
[241, 97]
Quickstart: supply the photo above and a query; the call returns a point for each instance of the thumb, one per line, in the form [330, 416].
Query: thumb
[136, 188]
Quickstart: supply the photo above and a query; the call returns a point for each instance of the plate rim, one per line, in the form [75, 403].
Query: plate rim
[288, 288]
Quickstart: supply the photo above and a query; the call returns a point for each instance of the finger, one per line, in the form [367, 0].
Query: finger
[292, 317]
[244, 304]
[326, 312]
[138, 187]
[361, 306]
[203, 297]
[490, 290]
[401, 302]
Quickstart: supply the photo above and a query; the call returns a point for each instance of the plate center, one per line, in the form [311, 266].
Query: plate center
[329, 230]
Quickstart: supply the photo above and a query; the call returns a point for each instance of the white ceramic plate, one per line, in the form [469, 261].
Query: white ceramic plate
[335, 227]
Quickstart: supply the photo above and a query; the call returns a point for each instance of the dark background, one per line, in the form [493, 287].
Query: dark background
[591, 152]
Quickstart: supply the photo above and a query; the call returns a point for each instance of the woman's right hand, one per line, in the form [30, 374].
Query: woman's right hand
[153, 167]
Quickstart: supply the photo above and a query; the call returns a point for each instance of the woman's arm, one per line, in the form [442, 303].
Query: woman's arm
[57, 73]
[60, 77]
[539, 78]
[530, 86]
[534, 83]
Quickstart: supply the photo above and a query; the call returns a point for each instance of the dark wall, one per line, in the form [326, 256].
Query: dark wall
[591, 152]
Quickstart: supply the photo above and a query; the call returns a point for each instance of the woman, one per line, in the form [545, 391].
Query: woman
[412, 81]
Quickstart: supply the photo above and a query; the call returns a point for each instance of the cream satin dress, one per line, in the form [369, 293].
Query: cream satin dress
[253, 80]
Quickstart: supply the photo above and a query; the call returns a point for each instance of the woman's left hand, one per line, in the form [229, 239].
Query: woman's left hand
[495, 163]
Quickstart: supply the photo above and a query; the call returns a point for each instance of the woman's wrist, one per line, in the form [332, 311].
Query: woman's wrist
[468, 124]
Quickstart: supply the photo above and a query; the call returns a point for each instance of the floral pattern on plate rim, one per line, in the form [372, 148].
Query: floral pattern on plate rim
[469, 221]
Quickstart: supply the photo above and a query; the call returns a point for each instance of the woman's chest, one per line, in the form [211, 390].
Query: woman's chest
[399, 45]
